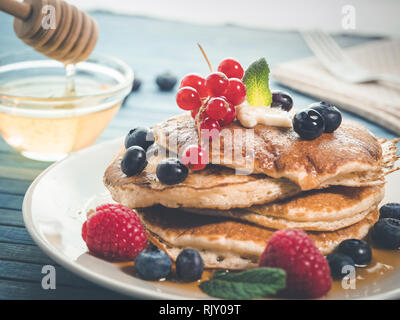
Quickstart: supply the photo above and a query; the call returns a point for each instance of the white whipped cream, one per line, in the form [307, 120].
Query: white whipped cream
[250, 116]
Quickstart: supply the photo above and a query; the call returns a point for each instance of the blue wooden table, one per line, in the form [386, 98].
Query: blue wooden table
[150, 47]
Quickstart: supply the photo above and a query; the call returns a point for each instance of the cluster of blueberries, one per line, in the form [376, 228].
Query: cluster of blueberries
[318, 118]
[154, 264]
[169, 171]
[353, 252]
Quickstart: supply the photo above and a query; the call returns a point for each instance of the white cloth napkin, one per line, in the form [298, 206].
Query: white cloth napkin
[372, 101]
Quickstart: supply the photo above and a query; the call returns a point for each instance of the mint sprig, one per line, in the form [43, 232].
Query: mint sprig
[256, 80]
[253, 283]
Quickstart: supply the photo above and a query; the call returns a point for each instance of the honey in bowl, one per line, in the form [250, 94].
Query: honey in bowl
[45, 115]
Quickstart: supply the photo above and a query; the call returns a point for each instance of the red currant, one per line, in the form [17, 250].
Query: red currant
[231, 68]
[236, 92]
[229, 117]
[209, 128]
[217, 108]
[187, 98]
[217, 83]
[197, 82]
[195, 157]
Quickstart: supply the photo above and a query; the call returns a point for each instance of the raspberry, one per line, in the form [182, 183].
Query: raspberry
[84, 231]
[307, 270]
[114, 232]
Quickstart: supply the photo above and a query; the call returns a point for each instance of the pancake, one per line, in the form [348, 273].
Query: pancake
[213, 187]
[227, 244]
[350, 156]
[218, 187]
[318, 210]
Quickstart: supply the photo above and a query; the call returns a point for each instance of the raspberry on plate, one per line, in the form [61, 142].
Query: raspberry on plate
[307, 270]
[114, 232]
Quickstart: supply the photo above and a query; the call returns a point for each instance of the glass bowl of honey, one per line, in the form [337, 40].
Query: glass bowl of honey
[48, 110]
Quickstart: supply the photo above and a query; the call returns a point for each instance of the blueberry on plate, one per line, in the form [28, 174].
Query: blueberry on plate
[152, 264]
[281, 100]
[189, 265]
[171, 171]
[134, 161]
[358, 250]
[140, 136]
[166, 81]
[386, 233]
[337, 263]
[308, 124]
[331, 115]
[390, 210]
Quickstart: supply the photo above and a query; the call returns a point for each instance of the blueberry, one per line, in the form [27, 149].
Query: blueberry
[337, 261]
[189, 265]
[133, 161]
[166, 81]
[308, 124]
[171, 171]
[331, 115]
[152, 264]
[140, 136]
[390, 210]
[136, 84]
[358, 250]
[282, 100]
[386, 233]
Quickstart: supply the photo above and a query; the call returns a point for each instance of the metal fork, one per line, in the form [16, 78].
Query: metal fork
[340, 64]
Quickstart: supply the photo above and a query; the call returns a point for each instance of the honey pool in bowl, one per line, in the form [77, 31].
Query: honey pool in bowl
[42, 120]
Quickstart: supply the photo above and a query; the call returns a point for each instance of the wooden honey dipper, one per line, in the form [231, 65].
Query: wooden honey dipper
[73, 38]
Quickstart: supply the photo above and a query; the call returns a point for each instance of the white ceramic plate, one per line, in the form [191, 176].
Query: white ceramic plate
[53, 214]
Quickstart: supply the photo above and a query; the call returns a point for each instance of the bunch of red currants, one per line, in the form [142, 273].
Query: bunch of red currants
[219, 93]
[215, 97]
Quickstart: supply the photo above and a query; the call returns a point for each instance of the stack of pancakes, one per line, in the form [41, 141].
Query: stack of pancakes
[330, 187]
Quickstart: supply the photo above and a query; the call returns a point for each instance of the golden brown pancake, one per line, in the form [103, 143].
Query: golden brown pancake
[213, 187]
[218, 187]
[281, 153]
[319, 210]
[229, 244]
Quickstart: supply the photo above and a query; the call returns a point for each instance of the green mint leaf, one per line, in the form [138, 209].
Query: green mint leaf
[256, 80]
[253, 283]
[270, 276]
